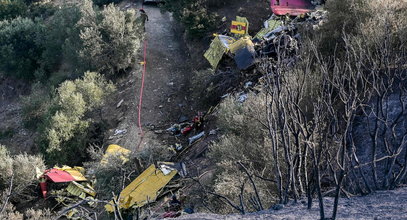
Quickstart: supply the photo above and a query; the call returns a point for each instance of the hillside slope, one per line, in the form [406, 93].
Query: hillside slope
[390, 204]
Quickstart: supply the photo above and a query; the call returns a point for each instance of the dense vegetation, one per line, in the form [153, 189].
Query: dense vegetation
[74, 39]
[69, 53]
[196, 17]
[299, 136]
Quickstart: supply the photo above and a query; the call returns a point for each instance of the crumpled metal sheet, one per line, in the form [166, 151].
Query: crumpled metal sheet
[269, 26]
[219, 46]
[114, 149]
[144, 189]
[241, 43]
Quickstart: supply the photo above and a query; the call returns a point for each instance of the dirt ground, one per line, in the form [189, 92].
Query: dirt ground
[166, 88]
[13, 135]
[379, 205]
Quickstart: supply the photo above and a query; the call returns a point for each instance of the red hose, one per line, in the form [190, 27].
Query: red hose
[141, 94]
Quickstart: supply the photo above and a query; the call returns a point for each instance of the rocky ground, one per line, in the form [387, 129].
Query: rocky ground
[390, 204]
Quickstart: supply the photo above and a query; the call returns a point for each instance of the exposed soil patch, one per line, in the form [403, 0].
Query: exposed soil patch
[166, 88]
[13, 135]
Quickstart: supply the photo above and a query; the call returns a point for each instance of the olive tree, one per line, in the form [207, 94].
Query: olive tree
[110, 38]
[19, 52]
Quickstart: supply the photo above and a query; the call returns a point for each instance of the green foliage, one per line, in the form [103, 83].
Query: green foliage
[343, 17]
[364, 20]
[193, 14]
[74, 99]
[19, 51]
[387, 21]
[68, 127]
[41, 10]
[110, 38]
[68, 41]
[241, 141]
[108, 173]
[61, 38]
[7, 133]
[36, 106]
[10, 9]
[22, 167]
[6, 165]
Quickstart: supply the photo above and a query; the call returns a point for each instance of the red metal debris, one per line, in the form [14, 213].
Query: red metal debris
[58, 176]
[290, 7]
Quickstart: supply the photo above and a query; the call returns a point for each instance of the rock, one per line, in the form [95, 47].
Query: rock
[213, 132]
[158, 131]
[277, 207]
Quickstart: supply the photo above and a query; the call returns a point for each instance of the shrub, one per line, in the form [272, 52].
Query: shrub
[42, 10]
[19, 51]
[9, 210]
[30, 214]
[10, 9]
[23, 169]
[67, 129]
[343, 17]
[153, 152]
[75, 98]
[115, 171]
[39, 214]
[108, 173]
[368, 22]
[198, 19]
[6, 165]
[387, 23]
[61, 40]
[36, 106]
[245, 142]
[193, 14]
[76, 38]
[110, 38]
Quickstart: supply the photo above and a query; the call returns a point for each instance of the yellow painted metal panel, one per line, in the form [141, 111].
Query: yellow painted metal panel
[242, 26]
[77, 189]
[238, 28]
[271, 25]
[74, 190]
[144, 189]
[114, 149]
[241, 43]
[215, 52]
[76, 172]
